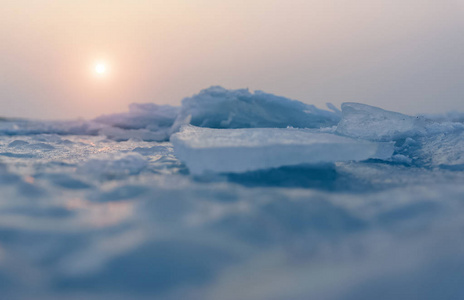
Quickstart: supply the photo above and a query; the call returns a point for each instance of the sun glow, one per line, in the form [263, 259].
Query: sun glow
[100, 69]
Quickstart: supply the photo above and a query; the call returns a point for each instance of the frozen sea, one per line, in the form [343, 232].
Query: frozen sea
[233, 195]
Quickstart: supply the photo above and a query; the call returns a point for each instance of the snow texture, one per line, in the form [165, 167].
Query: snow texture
[105, 209]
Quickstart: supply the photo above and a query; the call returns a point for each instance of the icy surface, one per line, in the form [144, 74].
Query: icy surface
[27, 127]
[241, 150]
[92, 210]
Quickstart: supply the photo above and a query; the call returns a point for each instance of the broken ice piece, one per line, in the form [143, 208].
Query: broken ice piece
[376, 124]
[241, 150]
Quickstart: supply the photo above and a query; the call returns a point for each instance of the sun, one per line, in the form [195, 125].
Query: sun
[100, 68]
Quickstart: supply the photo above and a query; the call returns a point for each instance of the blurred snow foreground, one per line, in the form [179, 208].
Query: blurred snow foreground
[233, 195]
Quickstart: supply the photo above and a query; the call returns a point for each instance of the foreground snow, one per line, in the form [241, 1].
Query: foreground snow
[100, 210]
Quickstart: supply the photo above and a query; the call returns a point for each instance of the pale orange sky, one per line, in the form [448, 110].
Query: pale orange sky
[401, 55]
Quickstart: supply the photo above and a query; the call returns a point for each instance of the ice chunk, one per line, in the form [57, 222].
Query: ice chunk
[452, 116]
[147, 121]
[241, 150]
[443, 149]
[440, 144]
[217, 107]
[422, 141]
[142, 116]
[373, 123]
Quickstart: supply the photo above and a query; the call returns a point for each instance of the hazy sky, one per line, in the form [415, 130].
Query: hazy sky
[404, 55]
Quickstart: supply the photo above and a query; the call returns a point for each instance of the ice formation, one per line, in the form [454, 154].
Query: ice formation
[425, 141]
[373, 123]
[105, 209]
[242, 150]
[214, 107]
[217, 107]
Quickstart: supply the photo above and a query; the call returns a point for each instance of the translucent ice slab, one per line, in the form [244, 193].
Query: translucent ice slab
[241, 150]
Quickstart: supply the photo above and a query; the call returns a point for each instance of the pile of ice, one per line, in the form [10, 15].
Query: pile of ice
[373, 123]
[366, 131]
[214, 107]
[359, 204]
[418, 140]
[423, 141]
[217, 107]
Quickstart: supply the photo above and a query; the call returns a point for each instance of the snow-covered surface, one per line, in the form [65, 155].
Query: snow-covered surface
[89, 215]
[241, 150]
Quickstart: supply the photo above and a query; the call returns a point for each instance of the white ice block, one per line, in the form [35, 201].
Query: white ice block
[240, 150]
